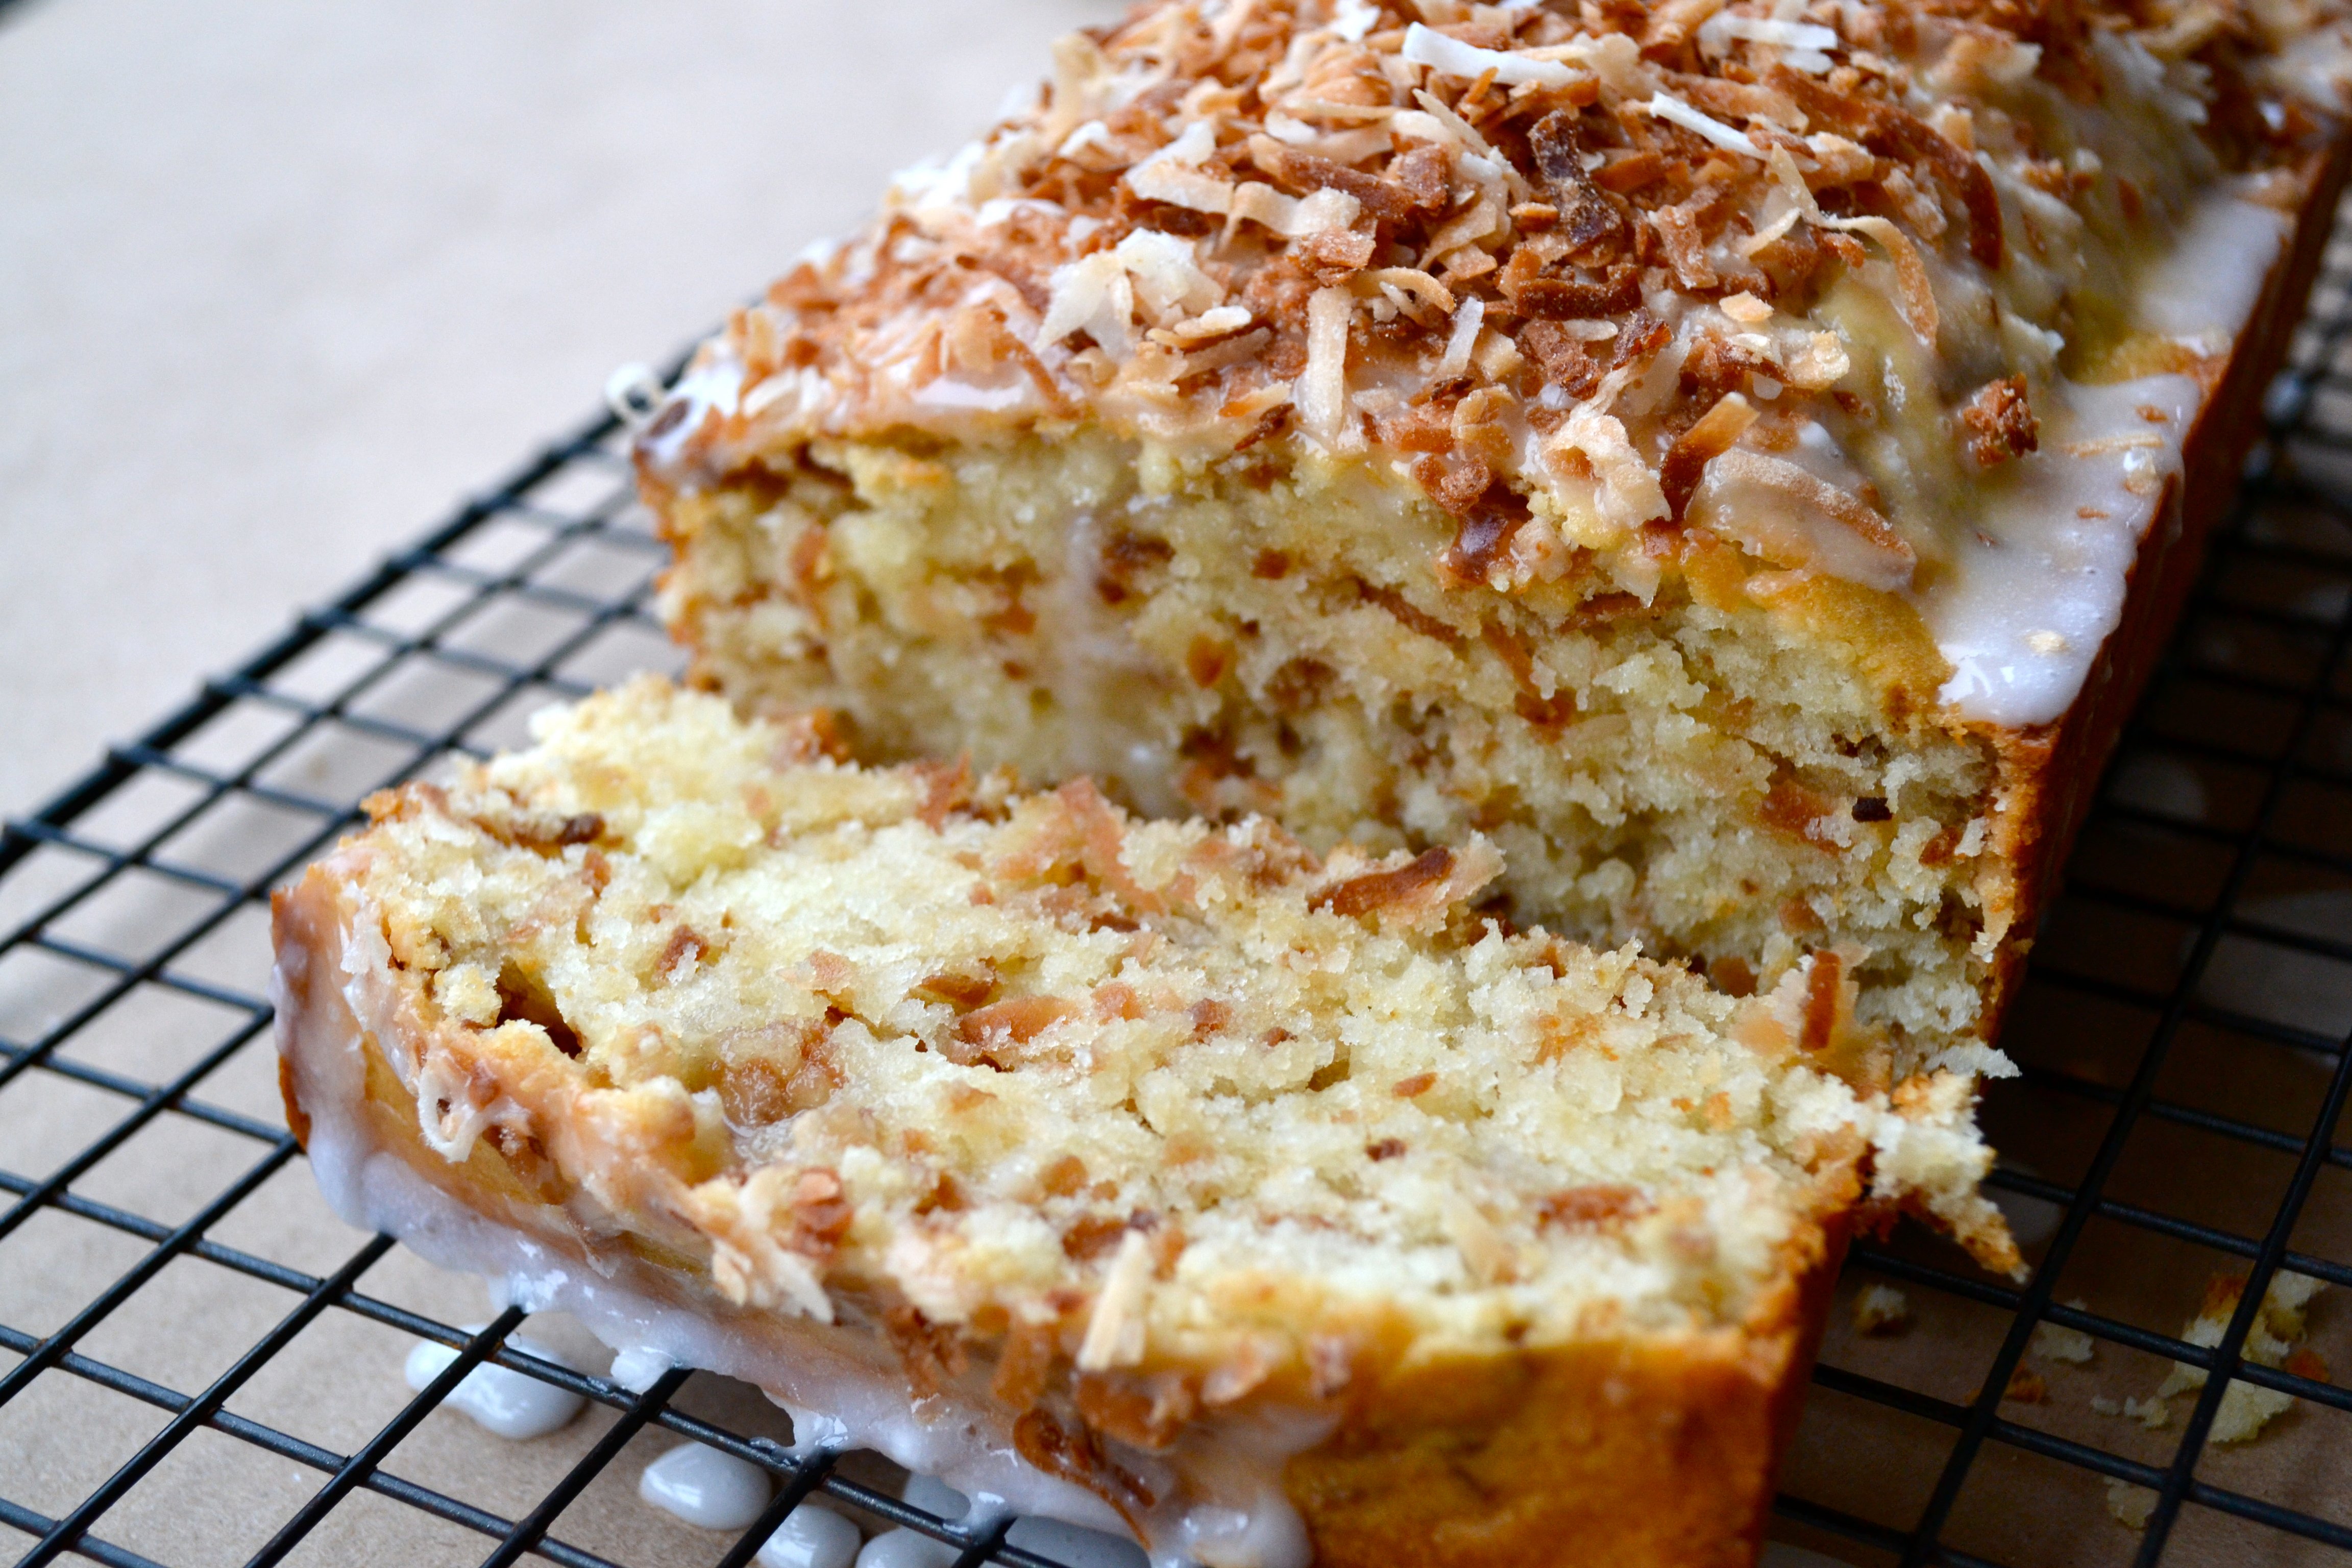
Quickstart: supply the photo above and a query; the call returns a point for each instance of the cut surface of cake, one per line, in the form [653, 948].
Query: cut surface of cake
[1163, 1175]
[1738, 458]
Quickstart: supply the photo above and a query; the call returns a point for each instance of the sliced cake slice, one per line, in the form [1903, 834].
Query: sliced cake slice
[1157, 1175]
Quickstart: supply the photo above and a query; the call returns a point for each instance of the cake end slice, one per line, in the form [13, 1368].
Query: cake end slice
[1159, 1175]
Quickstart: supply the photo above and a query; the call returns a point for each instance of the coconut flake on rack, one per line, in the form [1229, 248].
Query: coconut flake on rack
[1424, 46]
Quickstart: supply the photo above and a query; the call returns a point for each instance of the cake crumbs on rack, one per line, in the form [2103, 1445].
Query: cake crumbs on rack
[1881, 1310]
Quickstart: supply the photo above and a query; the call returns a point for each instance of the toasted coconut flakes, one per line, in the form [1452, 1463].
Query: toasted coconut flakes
[1256, 405]
[1717, 429]
[1489, 1257]
[1294, 218]
[1374, 171]
[1791, 183]
[1818, 363]
[1475, 223]
[1475, 147]
[1802, 43]
[2106, 443]
[1918, 297]
[1673, 23]
[1414, 281]
[1424, 46]
[1211, 324]
[1768, 30]
[1181, 187]
[1667, 107]
[1323, 386]
[1629, 495]
[1092, 295]
[1168, 281]
[1770, 231]
[1115, 1333]
[1895, 559]
[1093, 134]
[2000, 421]
[1197, 141]
[1416, 125]
[1351, 19]
[1293, 132]
[1684, 243]
[1455, 361]
[1746, 309]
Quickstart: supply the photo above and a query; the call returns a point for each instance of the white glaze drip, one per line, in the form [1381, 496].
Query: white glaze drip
[513, 1405]
[2040, 586]
[638, 1367]
[706, 1488]
[2213, 272]
[1074, 1546]
[812, 1537]
[935, 1496]
[2039, 583]
[906, 1549]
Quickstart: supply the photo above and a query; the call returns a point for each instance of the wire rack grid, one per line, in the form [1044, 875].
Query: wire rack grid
[189, 1345]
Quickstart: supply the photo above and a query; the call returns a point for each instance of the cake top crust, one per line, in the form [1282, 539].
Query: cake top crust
[1573, 269]
[891, 1040]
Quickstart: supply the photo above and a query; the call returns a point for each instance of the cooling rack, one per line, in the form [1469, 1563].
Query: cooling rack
[200, 1367]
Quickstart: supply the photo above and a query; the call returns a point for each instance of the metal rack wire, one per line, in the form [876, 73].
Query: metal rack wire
[2183, 1040]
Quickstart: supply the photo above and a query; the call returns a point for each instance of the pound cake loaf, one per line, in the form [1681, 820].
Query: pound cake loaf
[1738, 458]
[1160, 1175]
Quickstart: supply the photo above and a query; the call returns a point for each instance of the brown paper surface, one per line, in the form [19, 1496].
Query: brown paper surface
[217, 1500]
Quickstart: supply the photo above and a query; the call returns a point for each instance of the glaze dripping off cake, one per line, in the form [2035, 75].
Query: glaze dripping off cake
[1738, 458]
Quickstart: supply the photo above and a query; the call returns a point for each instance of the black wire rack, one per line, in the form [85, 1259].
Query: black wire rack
[201, 1365]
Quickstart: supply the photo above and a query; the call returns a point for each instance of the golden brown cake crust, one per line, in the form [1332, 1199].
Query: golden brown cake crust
[1571, 1439]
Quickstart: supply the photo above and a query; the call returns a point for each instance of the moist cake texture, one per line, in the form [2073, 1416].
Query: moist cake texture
[1273, 1205]
[1703, 448]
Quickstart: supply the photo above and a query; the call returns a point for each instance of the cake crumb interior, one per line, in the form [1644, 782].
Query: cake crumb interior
[908, 1038]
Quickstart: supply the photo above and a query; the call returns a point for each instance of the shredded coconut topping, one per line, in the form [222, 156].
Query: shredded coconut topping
[1218, 226]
